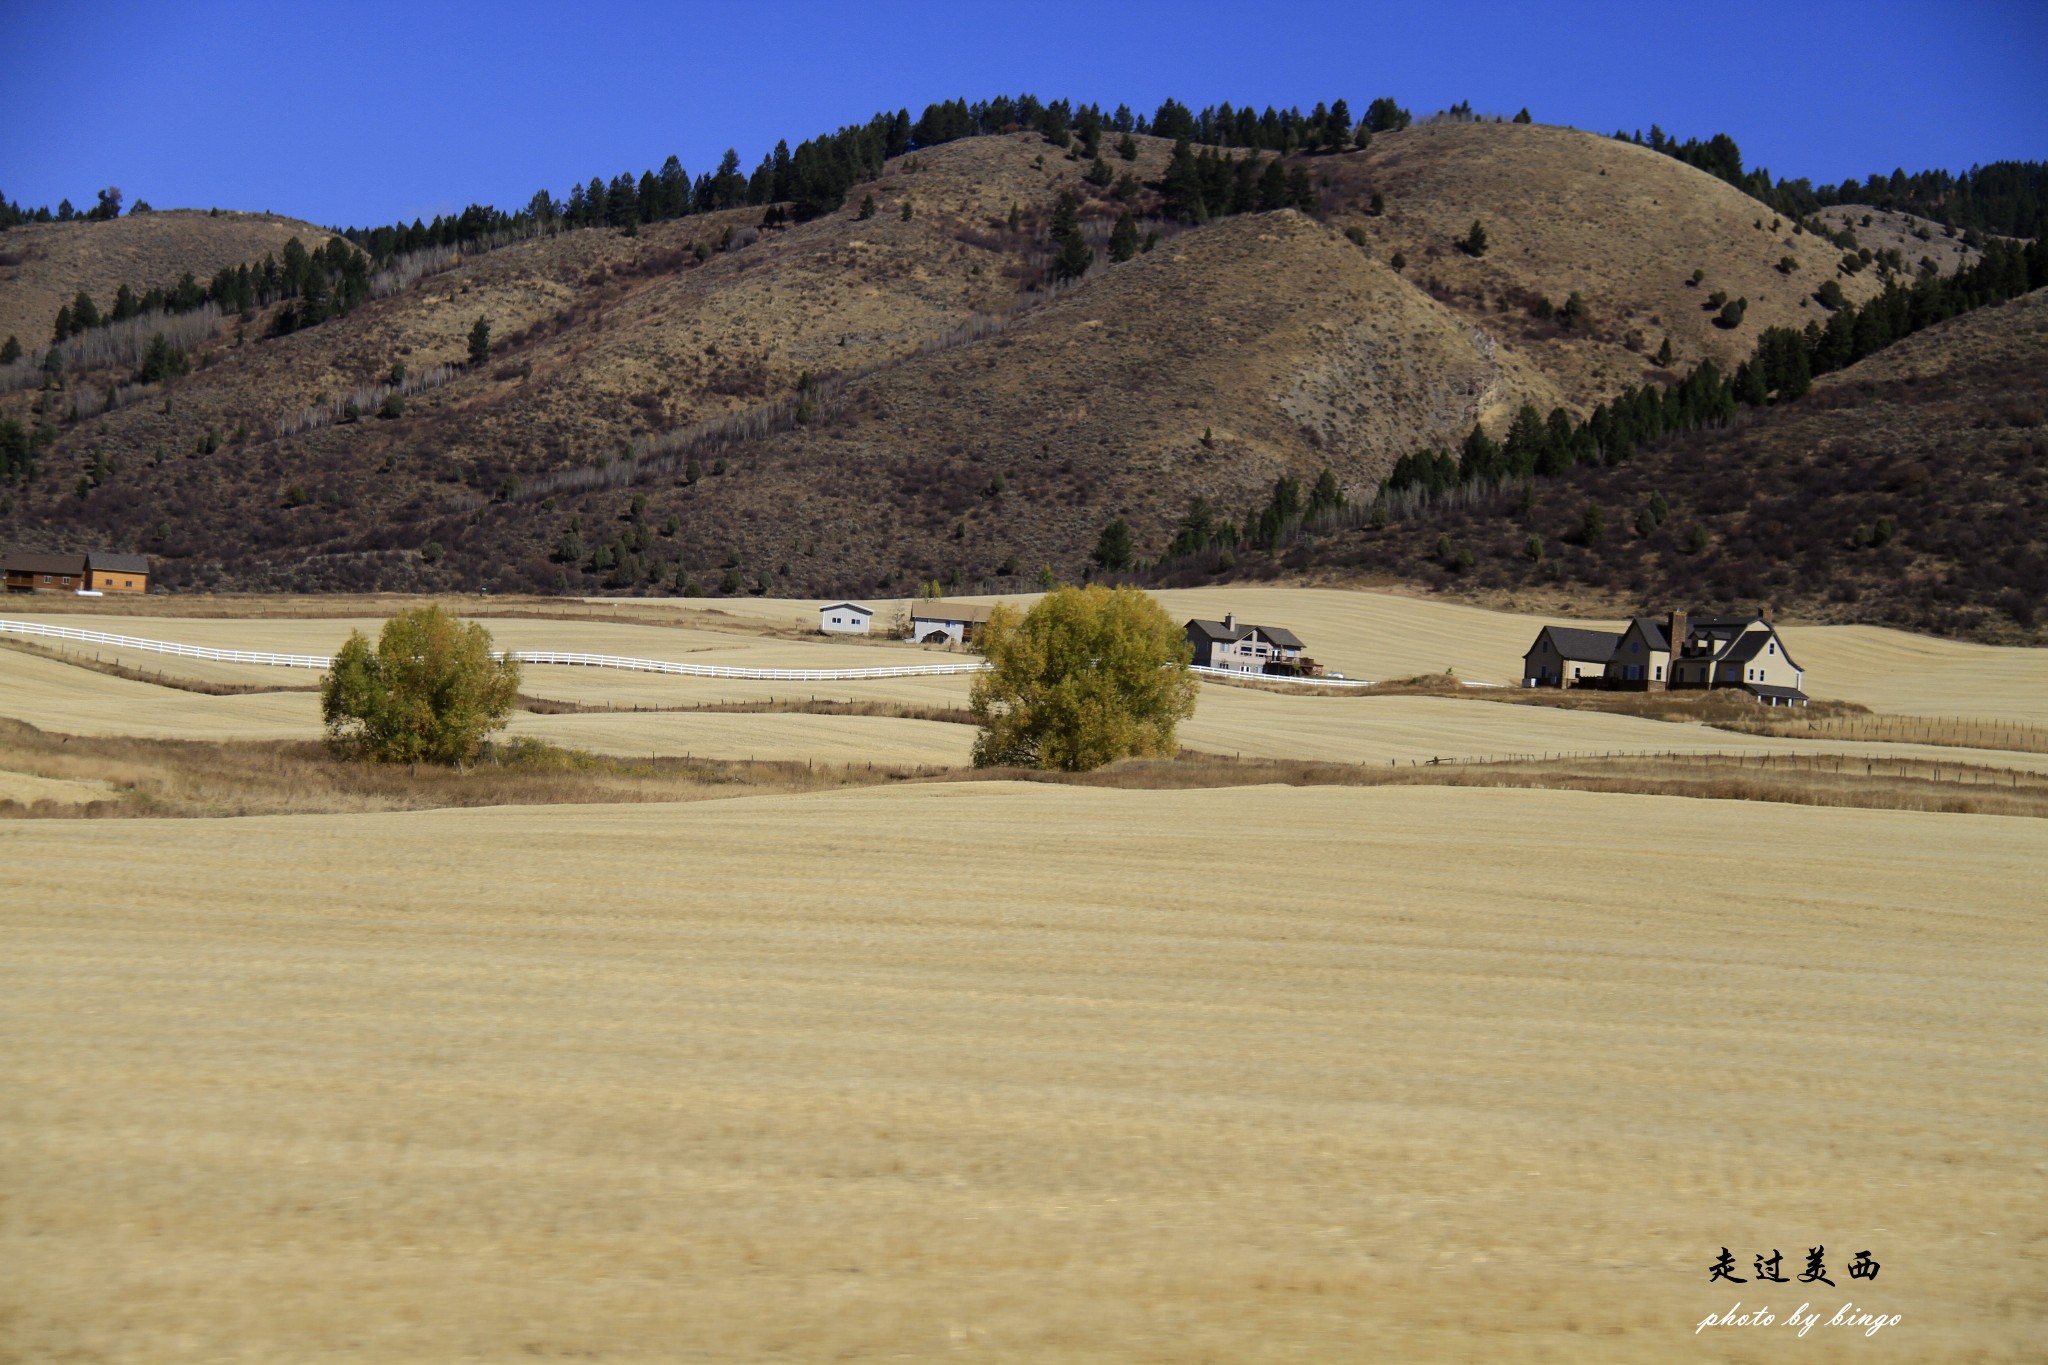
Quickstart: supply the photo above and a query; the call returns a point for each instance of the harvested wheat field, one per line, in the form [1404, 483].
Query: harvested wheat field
[1403, 729]
[52, 695]
[857, 1076]
[711, 734]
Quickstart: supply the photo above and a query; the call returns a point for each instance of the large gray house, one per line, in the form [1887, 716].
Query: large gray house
[1245, 649]
[1712, 651]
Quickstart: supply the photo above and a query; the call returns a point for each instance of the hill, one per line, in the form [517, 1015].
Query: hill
[44, 265]
[1621, 225]
[1910, 489]
[897, 392]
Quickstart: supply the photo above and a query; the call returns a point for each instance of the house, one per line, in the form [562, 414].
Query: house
[1711, 651]
[845, 618]
[34, 571]
[940, 622]
[1567, 656]
[100, 571]
[106, 571]
[1247, 649]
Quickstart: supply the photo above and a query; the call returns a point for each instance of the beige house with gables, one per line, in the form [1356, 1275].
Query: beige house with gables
[1676, 652]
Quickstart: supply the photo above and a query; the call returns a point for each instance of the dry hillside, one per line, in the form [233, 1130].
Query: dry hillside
[1910, 489]
[970, 423]
[44, 265]
[1568, 211]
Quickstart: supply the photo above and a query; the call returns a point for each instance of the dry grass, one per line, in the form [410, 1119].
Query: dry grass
[1948, 732]
[1568, 211]
[51, 775]
[1889, 783]
[725, 1081]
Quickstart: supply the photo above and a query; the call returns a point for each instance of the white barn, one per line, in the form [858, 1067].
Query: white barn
[845, 618]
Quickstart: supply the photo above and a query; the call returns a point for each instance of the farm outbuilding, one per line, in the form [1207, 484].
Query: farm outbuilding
[942, 623]
[845, 618]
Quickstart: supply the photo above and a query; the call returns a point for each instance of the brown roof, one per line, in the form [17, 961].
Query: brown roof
[38, 561]
[950, 611]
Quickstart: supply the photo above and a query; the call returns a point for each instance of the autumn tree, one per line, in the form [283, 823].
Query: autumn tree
[1087, 676]
[430, 692]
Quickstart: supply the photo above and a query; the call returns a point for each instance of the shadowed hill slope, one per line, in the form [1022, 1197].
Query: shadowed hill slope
[1910, 489]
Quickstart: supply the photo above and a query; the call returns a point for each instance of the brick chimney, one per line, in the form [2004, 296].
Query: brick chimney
[1674, 629]
[1229, 620]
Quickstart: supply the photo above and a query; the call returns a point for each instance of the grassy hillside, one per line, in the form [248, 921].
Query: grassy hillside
[44, 265]
[1623, 226]
[644, 425]
[1910, 489]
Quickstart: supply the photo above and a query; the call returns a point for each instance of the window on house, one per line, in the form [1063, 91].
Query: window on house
[1660, 673]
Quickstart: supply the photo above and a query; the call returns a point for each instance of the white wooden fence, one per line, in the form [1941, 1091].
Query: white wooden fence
[219, 656]
[550, 656]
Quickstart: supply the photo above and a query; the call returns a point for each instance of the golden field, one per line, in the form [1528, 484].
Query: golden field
[1360, 634]
[993, 1072]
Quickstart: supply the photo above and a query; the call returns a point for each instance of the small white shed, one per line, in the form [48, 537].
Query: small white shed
[845, 618]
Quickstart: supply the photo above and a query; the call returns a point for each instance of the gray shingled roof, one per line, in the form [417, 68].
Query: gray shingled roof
[1222, 634]
[1767, 692]
[118, 563]
[1574, 642]
[1653, 632]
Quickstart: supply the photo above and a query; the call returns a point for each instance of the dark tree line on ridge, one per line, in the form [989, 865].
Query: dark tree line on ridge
[108, 207]
[2008, 198]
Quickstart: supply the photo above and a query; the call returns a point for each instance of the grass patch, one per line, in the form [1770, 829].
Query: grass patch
[164, 777]
[1791, 779]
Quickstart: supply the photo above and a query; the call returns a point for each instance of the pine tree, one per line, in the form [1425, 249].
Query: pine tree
[84, 314]
[1474, 243]
[1113, 548]
[480, 342]
[63, 329]
[867, 209]
[11, 351]
[1523, 117]
[1127, 147]
[1123, 239]
[1664, 352]
[1071, 253]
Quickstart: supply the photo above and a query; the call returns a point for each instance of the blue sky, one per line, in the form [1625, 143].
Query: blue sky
[365, 113]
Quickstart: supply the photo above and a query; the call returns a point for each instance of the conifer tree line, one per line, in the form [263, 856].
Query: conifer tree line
[1783, 366]
[2008, 198]
[108, 207]
[323, 283]
[818, 175]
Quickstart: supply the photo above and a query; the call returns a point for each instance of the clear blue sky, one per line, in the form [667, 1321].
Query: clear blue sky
[366, 113]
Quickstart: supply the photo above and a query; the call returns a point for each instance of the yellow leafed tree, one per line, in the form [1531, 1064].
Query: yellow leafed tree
[1087, 676]
[431, 692]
